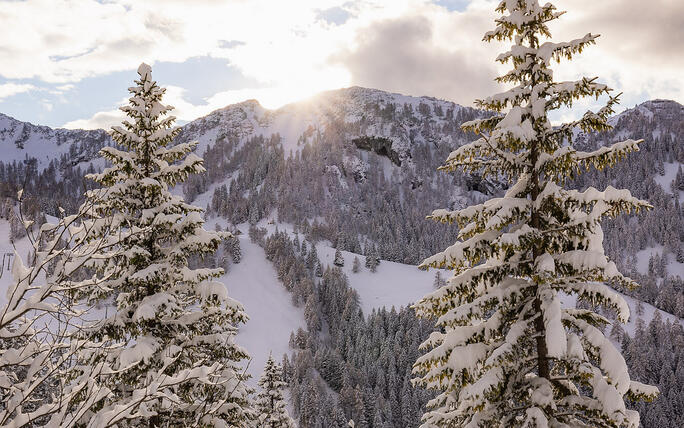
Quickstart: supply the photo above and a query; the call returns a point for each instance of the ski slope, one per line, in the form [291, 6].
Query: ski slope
[254, 283]
[272, 316]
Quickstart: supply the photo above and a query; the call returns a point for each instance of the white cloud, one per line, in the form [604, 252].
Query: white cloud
[67, 40]
[292, 51]
[409, 55]
[100, 120]
[174, 96]
[61, 89]
[284, 46]
[638, 53]
[9, 89]
[47, 105]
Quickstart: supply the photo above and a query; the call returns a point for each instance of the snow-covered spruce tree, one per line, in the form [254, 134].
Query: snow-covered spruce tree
[170, 337]
[506, 352]
[356, 265]
[339, 260]
[270, 404]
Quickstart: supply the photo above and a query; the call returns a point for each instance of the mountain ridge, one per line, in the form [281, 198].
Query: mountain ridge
[255, 102]
[372, 111]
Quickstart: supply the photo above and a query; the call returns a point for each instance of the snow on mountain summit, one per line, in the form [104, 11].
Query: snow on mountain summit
[22, 140]
[399, 119]
[293, 122]
[663, 109]
[367, 108]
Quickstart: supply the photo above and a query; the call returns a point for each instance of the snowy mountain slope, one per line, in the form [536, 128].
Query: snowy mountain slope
[337, 191]
[293, 122]
[393, 284]
[362, 111]
[400, 285]
[253, 282]
[659, 120]
[669, 173]
[21, 140]
[672, 266]
[337, 187]
[298, 122]
[272, 317]
[338, 180]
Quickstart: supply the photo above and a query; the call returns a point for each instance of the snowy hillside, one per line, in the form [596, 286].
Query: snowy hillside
[400, 285]
[355, 170]
[337, 180]
[296, 123]
[392, 285]
[22, 140]
[272, 317]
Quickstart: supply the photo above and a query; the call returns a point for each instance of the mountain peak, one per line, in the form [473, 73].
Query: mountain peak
[662, 108]
[660, 103]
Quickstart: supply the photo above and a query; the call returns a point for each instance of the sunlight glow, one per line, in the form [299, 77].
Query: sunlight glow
[290, 91]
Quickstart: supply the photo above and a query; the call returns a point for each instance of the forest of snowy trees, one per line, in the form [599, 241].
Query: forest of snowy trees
[363, 361]
[637, 172]
[117, 316]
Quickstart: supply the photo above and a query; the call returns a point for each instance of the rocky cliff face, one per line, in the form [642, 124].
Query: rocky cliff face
[381, 146]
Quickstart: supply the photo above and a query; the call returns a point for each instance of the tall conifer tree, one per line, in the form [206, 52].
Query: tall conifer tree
[170, 337]
[270, 404]
[507, 353]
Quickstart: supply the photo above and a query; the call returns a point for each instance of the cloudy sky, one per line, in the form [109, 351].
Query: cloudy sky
[68, 62]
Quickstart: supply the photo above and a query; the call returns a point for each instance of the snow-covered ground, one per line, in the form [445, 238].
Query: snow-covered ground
[672, 266]
[254, 283]
[643, 256]
[665, 181]
[393, 284]
[6, 254]
[648, 314]
[396, 284]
